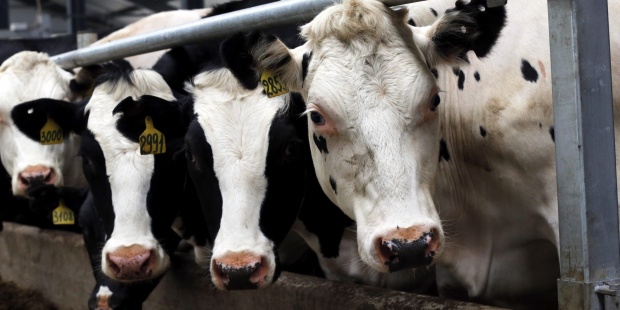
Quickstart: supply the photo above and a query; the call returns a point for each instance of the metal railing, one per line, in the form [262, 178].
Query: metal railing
[268, 15]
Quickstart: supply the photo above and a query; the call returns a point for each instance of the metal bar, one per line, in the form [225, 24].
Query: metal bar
[192, 4]
[268, 15]
[585, 154]
[4, 14]
[76, 11]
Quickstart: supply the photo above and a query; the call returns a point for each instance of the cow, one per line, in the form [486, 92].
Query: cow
[134, 198]
[468, 184]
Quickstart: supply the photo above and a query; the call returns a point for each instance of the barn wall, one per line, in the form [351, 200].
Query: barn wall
[56, 264]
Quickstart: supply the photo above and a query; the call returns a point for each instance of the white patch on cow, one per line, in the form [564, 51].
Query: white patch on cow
[373, 87]
[236, 123]
[104, 291]
[24, 77]
[129, 172]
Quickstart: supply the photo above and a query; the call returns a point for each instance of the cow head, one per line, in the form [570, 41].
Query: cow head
[23, 77]
[372, 107]
[136, 196]
[247, 158]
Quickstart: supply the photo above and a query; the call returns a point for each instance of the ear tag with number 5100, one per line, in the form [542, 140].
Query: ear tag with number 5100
[152, 141]
[51, 133]
[63, 215]
[273, 84]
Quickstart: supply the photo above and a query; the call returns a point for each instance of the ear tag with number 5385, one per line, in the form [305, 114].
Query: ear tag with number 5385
[51, 133]
[273, 84]
[63, 215]
[152, 141]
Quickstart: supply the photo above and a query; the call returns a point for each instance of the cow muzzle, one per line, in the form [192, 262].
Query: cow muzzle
[34, 176]
[240, 271]
[408, 247]
[132, 263]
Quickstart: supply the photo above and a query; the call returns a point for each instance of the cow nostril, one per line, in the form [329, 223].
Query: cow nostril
[234, 275]
[24, 181]
[385, 252]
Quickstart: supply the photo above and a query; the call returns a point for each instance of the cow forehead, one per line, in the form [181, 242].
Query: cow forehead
[106, 96]
[236, 121]
[28, 76]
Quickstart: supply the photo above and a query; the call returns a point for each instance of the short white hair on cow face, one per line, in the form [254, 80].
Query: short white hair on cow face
[129, 172]
[236, 123]
[369, 95]
[24, 77]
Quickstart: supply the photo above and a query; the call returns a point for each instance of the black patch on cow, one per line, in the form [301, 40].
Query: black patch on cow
[443, 150]
[483, 132]
[332, 182]
[529, 73]
[477, 76]
[235, 6]
[539, 125]
[435, 73]
[411, 22]
[322, 218]
[483, 28]
[456, 70]
[304, 65]
[29, 117]
[434, 12]
[552, 133]
[168, 117]
[461, 81]
[321, 143]
[118, 74]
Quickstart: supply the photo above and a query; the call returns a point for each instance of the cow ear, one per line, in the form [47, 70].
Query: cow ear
[83, 84]
[467, 27]
[169, 117]
[247, 56]
[30, 117]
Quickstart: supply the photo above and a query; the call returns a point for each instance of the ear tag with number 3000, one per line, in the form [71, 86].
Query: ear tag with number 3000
[152, 141]
[272, 84]
[63, 215]
[51, 133]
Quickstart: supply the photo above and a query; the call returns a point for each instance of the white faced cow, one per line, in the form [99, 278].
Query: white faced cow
[27, 76]
[134, 198]
[395, 161]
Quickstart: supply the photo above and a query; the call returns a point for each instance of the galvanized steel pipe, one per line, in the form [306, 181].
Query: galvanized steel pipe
[268, 15]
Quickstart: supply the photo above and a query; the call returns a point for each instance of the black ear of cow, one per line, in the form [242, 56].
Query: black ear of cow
[168, 117]
[235, 55]
[31, 116]
[469, 26]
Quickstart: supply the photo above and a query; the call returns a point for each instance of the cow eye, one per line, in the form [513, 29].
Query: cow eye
[317, 118]
[190, 156]
[435, 102]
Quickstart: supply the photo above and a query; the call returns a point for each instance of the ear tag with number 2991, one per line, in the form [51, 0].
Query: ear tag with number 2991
[152, 141]
[51, 133]
[272, 84]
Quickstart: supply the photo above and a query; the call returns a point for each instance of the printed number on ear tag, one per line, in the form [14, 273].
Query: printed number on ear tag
[152, 141]
[51, 133]
[272, 84]
[63, 215]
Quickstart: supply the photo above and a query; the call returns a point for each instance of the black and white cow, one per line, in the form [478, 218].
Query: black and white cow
[136, 198]
[469, 184]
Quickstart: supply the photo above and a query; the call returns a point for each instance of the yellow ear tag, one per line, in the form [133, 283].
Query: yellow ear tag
[272, 84]
[51, 133]
[63, 215]
[152, 141]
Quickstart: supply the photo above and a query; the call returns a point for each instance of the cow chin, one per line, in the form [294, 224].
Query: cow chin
[134, 263]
